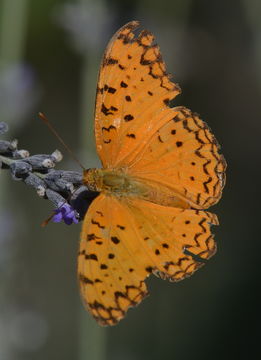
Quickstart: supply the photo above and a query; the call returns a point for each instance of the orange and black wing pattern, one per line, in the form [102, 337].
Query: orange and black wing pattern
[132, 93]
[124, 241]
[169, 151]
[182, 158]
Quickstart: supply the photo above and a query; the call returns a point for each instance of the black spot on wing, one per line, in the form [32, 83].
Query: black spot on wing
[115, 240]
[111, 90]
[92, 237]
[109, 128]
[164, 245]
[84, 279]
[110, 61]
[128, 117]
[98, 224]
[91, 257]
[103, 267]
[131, 136]
[108, 111]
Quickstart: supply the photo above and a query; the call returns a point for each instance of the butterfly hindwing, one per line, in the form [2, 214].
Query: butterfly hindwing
[107, 259]
[123, 241]
[178, 240]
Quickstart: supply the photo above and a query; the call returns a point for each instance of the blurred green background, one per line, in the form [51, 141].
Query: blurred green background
[49, 58]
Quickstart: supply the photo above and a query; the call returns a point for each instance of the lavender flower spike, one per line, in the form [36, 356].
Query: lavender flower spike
[63, 188]
[66, 213]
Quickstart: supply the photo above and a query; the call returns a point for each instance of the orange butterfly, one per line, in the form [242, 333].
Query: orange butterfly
[161, 169]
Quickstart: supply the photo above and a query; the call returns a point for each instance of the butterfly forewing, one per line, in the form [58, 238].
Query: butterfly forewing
[182, 157]
[136, 130]
[133, 88]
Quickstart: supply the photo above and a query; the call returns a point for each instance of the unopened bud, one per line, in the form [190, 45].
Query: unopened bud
[57, 156]
[40, 191]
[48, 163]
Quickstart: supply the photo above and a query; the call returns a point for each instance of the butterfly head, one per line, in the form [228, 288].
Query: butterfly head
[92, 178]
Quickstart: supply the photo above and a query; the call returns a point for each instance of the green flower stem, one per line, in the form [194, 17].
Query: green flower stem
[6, 160]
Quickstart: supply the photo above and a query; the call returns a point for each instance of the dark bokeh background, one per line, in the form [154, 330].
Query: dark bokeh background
[49, 58]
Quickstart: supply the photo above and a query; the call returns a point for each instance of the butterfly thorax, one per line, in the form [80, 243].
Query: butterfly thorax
[121, 184]
[112, 181]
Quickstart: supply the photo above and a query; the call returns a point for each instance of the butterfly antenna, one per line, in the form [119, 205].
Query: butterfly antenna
[47, 122]
[46, 222]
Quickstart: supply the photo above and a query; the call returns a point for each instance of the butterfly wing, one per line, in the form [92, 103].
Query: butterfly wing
[172, 150]
[182, 157]
[123, 241]
[132, 95]
[108, 254]
[178, 240]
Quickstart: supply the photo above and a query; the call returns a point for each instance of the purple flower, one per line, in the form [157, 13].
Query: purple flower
[65, 213]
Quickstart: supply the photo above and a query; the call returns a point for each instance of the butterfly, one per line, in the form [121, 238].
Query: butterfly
[161, 170]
